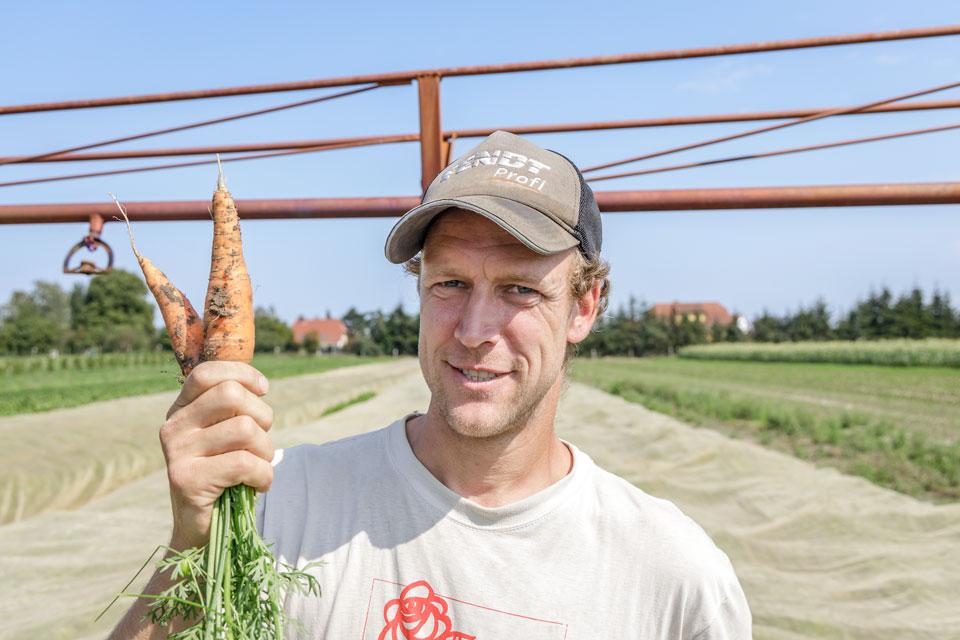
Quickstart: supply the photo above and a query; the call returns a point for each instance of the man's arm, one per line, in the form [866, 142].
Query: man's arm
[732, 619]
[735, 626]
[136, 625]
[215, 437]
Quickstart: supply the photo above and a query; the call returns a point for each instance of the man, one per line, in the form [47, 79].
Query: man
[473, 519]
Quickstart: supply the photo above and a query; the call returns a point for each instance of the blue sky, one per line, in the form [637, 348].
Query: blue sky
[749, 260]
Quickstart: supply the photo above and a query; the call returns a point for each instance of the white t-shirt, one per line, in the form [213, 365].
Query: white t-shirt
[589, 558]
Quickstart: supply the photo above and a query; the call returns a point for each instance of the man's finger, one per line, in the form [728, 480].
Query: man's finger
[207, 375]
[236, 434]
[222, 402]
[238, 467]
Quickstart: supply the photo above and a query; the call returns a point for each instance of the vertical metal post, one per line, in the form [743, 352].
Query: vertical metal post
[431, 136]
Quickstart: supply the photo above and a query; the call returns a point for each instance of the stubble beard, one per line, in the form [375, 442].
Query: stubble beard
[512, 414]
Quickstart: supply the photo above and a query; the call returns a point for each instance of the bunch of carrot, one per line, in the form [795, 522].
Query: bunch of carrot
[231, 586]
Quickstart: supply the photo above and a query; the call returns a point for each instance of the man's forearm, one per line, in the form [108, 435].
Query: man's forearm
[136, 624]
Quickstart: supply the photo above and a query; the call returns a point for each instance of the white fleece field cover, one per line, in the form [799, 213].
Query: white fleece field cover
[83, 501]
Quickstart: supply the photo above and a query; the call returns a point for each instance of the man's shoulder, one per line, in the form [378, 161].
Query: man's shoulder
[335, 471]
[657, 527]
[359, 451]
[661, 545]
[361, 444]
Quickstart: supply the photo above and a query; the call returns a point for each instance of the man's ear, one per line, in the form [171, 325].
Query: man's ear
[584, 314]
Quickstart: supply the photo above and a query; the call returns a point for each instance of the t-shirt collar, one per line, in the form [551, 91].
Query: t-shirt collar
[464, 511]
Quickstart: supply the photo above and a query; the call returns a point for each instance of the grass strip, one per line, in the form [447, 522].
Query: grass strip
[853, 442]
[340, 406]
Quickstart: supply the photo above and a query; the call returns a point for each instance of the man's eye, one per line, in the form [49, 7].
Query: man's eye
[450, 284]
[522, 290]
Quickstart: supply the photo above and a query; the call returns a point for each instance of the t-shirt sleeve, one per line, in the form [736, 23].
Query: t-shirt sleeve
[260, 506]
[731, 618]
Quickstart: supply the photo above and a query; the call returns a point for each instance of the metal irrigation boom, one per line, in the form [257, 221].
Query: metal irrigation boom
[435, 144]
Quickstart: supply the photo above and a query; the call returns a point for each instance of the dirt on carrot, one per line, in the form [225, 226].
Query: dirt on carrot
[228, 309]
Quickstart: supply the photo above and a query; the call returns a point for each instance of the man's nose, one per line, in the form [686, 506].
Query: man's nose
[478, 321]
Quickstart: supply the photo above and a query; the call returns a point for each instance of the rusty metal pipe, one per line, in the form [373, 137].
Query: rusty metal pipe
[567, 63]
[431, 133]
[610, 202]
[168, 211]
[480, 133]
[674, 121]
[853, 195]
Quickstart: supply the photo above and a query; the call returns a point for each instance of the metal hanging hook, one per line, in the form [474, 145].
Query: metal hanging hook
[91, 242]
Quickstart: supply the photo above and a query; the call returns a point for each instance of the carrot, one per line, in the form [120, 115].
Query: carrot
[228, 322]
[181, 319]
[235, 557]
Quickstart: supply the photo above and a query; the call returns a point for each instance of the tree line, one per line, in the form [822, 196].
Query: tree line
[112, 313]
[878, 316]
[634, 330]
[370, 333]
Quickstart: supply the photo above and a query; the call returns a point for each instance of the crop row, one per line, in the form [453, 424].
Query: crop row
[897, 353]
[15, 365]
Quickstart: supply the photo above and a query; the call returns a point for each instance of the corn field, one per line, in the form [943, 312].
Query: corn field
[896, 353]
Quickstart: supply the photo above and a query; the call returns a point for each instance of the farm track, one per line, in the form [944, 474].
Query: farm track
[820, 554]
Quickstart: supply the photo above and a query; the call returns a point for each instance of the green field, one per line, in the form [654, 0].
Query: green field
[41, 387]
[897, 426]
[933, 352]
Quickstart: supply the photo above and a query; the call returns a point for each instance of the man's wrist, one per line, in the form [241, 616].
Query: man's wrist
[182, 542]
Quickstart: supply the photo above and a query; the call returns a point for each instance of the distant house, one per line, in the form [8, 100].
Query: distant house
[707, 313]
[331, 333]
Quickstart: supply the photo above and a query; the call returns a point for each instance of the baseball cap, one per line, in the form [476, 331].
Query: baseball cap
[536, 195]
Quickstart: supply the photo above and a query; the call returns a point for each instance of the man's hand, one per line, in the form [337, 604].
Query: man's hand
[215, 436]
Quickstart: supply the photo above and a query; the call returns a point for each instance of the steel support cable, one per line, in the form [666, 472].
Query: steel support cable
[542, 65]
[191, 125]
[180, 165]
[386, 139]
[778, 152]
[674, 121]
[773, 127]
[669, 121]
[210, 150]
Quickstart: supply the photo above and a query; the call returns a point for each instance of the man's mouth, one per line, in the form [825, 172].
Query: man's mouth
[479, 375]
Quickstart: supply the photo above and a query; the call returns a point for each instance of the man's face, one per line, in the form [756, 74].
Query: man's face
[495, 320]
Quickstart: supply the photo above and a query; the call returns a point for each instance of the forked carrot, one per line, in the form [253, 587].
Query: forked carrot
[236, 557]
[180, 318]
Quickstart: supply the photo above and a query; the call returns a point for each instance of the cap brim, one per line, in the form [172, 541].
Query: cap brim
[534, 229]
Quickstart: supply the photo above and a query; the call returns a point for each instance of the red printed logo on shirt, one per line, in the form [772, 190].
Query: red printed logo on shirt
[419, 614]
[415, 611]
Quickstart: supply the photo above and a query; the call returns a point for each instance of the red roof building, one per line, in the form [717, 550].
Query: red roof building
[331, 333]
[708, 313]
